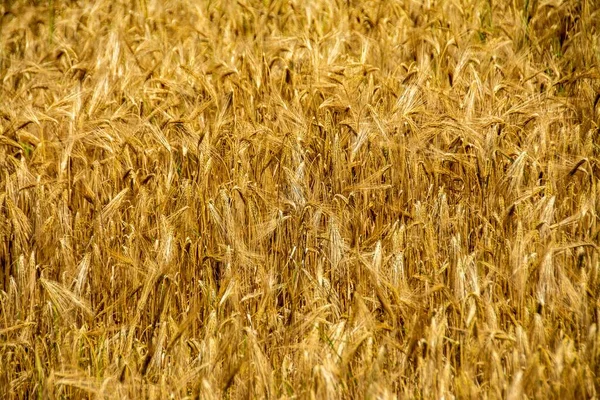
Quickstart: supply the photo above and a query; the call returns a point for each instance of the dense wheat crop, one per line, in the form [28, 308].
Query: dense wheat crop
[289, 199]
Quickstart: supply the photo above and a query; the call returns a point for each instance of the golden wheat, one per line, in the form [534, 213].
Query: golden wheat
[286, 199]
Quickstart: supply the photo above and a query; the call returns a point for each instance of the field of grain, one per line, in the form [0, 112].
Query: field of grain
[289, 199]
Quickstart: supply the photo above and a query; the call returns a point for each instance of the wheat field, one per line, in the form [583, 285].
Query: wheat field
[289, 199]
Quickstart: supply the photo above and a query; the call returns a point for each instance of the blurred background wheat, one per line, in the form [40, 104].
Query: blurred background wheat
[289, 199]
